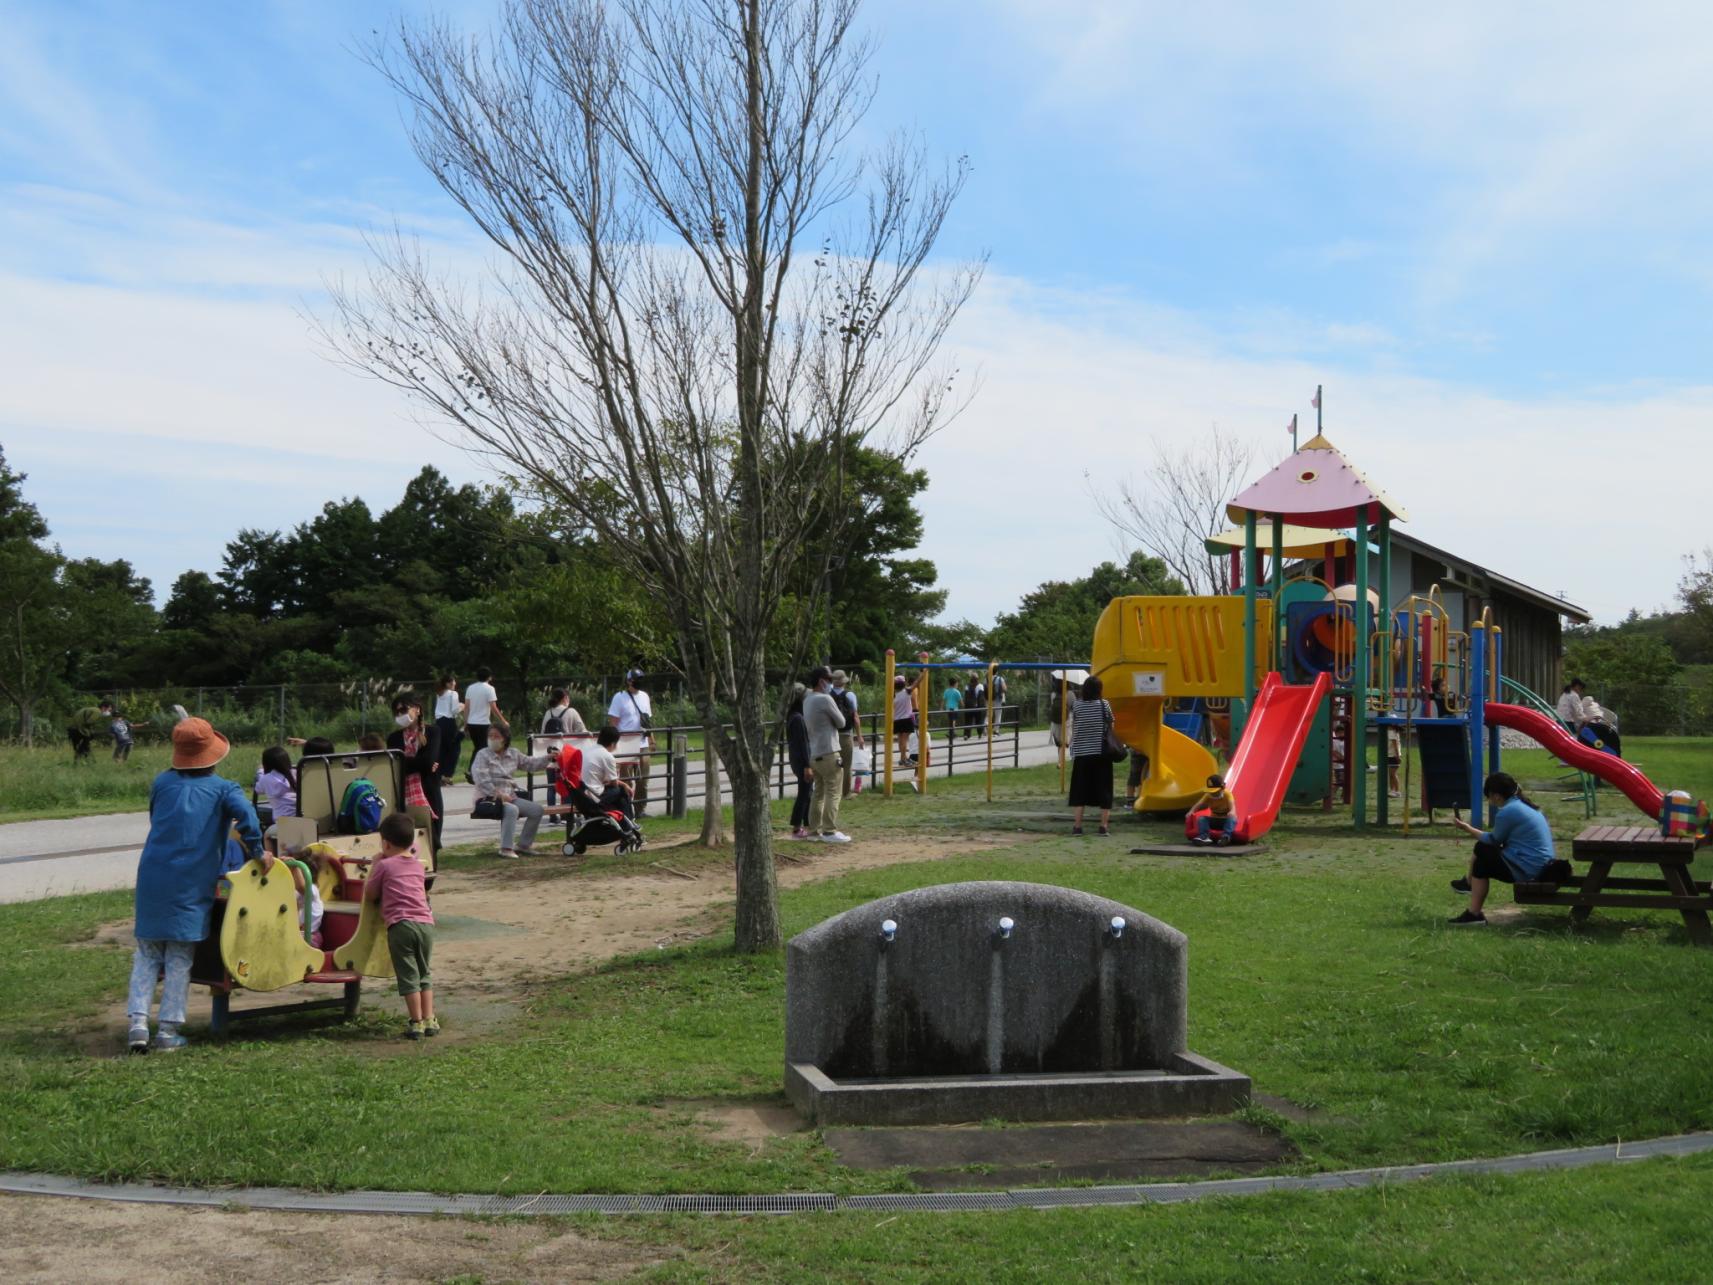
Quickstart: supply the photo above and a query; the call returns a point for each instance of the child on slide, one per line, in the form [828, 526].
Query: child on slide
[1219, 815]
[191, 812]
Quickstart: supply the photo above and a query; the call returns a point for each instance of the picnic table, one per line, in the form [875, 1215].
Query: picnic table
[1604, 846]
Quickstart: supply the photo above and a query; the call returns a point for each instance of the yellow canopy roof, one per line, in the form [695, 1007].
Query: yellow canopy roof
[1300, 541]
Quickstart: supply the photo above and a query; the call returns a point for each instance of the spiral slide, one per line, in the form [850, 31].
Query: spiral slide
[1608, 767]
[1260, 771]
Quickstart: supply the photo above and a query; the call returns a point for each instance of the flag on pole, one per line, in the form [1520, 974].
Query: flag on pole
[1291, 428]
[1316, 402]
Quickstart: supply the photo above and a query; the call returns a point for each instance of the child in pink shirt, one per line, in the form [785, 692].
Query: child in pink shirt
[397, 881]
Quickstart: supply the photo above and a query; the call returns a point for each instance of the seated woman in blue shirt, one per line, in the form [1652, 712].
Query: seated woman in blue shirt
[1518, 849]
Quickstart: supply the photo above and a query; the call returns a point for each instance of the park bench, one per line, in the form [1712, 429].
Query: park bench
[1604, 846]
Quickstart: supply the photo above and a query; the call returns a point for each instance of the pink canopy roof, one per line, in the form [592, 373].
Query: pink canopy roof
[1316, 486]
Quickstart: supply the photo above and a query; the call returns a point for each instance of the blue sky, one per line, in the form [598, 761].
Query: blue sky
[1487, 232]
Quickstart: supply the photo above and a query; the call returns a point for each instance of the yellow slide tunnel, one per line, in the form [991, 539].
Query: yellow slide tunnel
[1149, 650]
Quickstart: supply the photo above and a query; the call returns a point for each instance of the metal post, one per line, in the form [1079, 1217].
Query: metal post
[1356, 766]
[886, 711]
[1388, 667]
[282, 714]
[1497, 642]
[1250, 575]
[991, 667]
[1272, 657]
[1477, 714]
[678, 777]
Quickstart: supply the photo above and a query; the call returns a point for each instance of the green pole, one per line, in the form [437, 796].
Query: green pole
[1278, 587]
[1251, 573]
[1358, 768]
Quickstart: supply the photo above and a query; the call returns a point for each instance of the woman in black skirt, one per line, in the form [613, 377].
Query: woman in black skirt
[1091, 770]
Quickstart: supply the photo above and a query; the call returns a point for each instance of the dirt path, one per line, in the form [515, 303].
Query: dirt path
[51, 1238]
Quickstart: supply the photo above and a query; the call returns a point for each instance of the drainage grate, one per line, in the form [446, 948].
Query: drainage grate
[938, 1201]
[782, 1204]
[1068, 1197]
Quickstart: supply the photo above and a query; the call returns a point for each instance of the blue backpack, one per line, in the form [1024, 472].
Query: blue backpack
[361, 809]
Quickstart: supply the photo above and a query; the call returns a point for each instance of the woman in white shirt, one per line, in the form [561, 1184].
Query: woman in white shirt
[903, 717]
[447, 708]
[495, 774]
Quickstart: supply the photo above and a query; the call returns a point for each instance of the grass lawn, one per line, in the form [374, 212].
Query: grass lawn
[1322, 967]
[1641, 1222]
[43, 783]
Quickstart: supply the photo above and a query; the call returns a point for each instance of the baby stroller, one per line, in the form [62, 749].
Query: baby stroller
[594, 825]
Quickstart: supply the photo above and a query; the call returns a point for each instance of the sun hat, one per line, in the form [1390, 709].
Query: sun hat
[195, 744]
[840, 677]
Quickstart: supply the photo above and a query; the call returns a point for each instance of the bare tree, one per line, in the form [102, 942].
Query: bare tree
[1180, 502]
[701, 299]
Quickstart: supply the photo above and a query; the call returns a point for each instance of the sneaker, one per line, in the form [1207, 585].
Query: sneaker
[1468, 917]
[168, 1040]
[1223, 839]
[431, 1027]
[138, 1039]
[1202, 839]
[413, 1031]
[837, 836]
[1104, 832]
[508, 854]
[1460, 884]
[800, 833]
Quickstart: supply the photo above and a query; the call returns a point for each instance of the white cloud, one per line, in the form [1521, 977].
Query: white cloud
[1560, 493]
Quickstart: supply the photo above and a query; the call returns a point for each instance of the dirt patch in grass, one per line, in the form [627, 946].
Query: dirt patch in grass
[56, 1239]
[510, 927]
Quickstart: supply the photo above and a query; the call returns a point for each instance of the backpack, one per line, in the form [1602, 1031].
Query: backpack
[555, 725]
[361, 808]
[847, 706]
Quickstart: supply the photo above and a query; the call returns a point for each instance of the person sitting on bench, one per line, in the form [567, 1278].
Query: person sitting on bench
[1518, 849]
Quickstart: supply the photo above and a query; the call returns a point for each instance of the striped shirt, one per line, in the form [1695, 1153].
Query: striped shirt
[1089, 720]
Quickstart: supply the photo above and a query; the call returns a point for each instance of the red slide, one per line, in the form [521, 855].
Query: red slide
[1272, 741]
[1608, 767]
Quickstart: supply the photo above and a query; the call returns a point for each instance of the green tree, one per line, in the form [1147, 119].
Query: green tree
[113, 617]
[1056, 620]
[878, 598]
[35, 621]
[1632, 672]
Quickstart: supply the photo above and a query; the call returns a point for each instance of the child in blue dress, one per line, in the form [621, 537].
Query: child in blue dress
[191, 813]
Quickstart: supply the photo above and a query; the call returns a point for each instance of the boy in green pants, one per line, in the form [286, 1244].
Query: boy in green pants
[397, 881]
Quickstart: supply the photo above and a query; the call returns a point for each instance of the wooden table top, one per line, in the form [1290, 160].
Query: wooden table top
[1633, 843]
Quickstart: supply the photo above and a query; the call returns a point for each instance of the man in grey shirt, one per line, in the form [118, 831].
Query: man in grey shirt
[825, 721]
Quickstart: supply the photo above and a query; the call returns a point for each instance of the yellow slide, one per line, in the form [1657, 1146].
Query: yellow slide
[1178, 767]
[1148, 650]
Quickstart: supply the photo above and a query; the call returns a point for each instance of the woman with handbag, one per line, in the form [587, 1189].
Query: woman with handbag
[418, 743]
[1094, 749]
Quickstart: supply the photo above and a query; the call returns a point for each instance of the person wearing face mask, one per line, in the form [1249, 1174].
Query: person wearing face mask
[495, 773]
[418, 742]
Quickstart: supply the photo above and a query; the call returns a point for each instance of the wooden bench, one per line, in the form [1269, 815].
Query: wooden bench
[1604, 846]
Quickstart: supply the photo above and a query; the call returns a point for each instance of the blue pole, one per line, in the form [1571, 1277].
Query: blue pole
[1477, 715]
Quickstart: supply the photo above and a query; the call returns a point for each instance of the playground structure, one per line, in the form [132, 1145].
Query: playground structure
[259, 939]
[1311, 669]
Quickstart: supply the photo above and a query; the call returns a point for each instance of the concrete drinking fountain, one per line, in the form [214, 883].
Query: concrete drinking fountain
[1016, 1001]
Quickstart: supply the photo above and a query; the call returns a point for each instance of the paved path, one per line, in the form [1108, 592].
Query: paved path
[92, 854]
[422, 1202]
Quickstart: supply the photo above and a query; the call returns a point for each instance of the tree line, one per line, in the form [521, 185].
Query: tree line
[448, 578]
